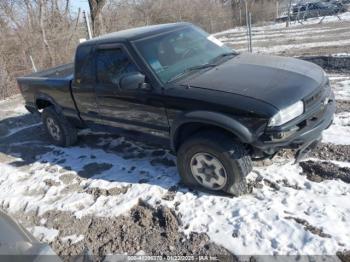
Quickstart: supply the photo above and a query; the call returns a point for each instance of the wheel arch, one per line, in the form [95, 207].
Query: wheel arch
[43, 100]
[192, 122]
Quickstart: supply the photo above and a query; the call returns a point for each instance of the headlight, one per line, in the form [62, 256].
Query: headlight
[287, 114]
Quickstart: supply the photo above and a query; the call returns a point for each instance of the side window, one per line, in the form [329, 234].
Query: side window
[84, 66]
[112, 64]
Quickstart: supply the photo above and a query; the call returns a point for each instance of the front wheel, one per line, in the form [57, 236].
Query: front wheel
[214, 161]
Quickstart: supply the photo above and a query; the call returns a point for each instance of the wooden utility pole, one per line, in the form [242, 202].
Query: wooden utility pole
[87, 22]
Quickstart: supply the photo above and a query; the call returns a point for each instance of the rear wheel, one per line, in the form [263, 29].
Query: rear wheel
[214, 161]
[59, 130]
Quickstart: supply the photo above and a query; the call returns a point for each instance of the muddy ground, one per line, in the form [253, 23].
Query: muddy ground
[343, 106]
[145, 229]
[331, 152]
[318, 171]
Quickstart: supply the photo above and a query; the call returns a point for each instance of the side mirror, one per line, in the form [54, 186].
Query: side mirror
[134, 81]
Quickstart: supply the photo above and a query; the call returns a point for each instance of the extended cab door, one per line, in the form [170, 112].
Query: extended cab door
[83, 85]
[138, 109]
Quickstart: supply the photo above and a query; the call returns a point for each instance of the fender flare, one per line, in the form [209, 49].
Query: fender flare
[211, 118]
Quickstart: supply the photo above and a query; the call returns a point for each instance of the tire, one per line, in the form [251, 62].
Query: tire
[214, 146]
[59, 130]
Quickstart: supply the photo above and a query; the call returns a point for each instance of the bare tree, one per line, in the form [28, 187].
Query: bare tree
[96, 7]
[46, 30]
[43, 31]
[49, 30]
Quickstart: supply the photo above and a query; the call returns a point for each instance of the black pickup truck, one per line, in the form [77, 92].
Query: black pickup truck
[219, 109]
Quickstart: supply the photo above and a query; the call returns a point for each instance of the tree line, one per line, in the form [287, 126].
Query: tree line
[46, 32]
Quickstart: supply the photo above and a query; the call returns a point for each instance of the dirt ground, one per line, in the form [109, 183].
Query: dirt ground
[343, 106]
[151, 230]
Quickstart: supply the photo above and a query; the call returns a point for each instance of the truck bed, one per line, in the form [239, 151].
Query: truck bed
[59, 72]
[53, 84]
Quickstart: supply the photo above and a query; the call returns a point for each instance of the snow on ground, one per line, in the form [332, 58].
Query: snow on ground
[298, 34]
[258, 223]
[281, 48]
[329, 37]
[345, 17]
[341, 89]
[339, 132]
[285, 214]
[254, 224]
[44, 234]
[73, 238]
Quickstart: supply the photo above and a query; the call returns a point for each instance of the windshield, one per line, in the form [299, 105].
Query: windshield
[173, 53]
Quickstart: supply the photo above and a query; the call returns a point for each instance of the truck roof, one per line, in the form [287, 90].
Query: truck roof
[135, 33]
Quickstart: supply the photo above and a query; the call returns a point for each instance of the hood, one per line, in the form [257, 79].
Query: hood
[279, 81]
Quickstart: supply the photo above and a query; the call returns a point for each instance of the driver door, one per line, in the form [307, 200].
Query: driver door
[136, 109]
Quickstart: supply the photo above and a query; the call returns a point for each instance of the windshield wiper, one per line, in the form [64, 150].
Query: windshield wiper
[207, 65]
[192, 68]
[233, 53]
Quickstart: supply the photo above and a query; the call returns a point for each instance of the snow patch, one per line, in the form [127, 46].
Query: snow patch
[73, 238]
[44, 234]
[339, 132]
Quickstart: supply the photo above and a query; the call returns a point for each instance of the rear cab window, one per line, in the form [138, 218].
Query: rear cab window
[84, 66]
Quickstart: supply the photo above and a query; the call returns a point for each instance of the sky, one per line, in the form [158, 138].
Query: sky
[82, 4]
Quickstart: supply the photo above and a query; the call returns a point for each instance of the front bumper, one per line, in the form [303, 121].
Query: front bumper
[310, 130]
